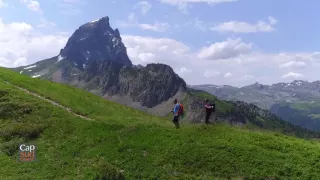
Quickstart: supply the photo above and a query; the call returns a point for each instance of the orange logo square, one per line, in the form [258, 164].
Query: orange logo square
[27, 153]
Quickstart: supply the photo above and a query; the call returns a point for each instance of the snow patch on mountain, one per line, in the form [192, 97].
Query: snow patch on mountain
[36, 75]
[95, 20]
[30, 67]
[60, 58]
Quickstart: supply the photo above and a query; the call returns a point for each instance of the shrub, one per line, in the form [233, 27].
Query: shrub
[106, 171]
[10, 148]
[26, 131]
[13, 109]
[3, 92]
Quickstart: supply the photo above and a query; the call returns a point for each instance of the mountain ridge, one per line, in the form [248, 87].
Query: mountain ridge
[293, 98]
[257, 83]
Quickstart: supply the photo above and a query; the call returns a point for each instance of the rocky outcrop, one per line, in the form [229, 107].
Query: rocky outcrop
[150, 85]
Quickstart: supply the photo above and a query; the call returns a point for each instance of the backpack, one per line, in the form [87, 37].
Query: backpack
[181, 110]
[213, 105]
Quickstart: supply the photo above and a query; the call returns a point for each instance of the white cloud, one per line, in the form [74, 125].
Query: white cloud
[35, 6]
[225, 50]
[248, 76]
[145, 6]
[44, 23]
[146, 57]
[272, 20]
[244, 27]
[72, 1]
[70, 7]
[22, 45]
[3, 4]
[227, 75]
[32, 5]
[184, 4]
[132, 18]
[183, 70]
[162, 49]
[133, 22]
[158, 27]
[200, 25]
[292, 75]
[245, 68]
[211, 73]
[297, 64]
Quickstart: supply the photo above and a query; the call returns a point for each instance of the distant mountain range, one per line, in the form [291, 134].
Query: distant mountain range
[297, 102]
[95, 59]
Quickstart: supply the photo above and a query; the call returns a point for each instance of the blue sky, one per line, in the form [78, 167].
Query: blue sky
[234, 42]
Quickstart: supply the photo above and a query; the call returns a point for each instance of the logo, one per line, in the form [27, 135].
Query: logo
[27, 153]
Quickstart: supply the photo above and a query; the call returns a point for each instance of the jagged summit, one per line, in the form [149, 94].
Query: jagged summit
[95, 40]
[103, 19]
[256, 85]
[160, 67]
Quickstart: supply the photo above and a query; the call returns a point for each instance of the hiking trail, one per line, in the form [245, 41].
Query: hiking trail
[50, 101]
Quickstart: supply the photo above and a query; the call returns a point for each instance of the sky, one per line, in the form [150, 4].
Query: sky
[222, 42]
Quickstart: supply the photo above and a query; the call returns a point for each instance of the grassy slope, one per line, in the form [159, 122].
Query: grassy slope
[144, 147]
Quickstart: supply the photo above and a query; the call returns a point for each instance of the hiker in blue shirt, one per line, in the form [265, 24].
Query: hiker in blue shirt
[177, 110]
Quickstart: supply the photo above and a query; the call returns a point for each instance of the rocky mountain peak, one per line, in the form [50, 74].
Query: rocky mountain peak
[117, 33]
[139, 66]
[159, 67]
[95, 40]
[104, 19]
[165, 72]
[256, 85]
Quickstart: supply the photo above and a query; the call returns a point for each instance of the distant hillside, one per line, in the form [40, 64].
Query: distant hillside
[122, 143]
[297, 102]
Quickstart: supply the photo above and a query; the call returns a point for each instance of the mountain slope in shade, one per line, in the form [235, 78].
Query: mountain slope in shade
[297, 102]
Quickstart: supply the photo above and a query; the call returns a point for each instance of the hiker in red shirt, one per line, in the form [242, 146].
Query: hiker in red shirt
[210, 108]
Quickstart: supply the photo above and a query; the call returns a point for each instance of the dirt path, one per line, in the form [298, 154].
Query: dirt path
[50, 101]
